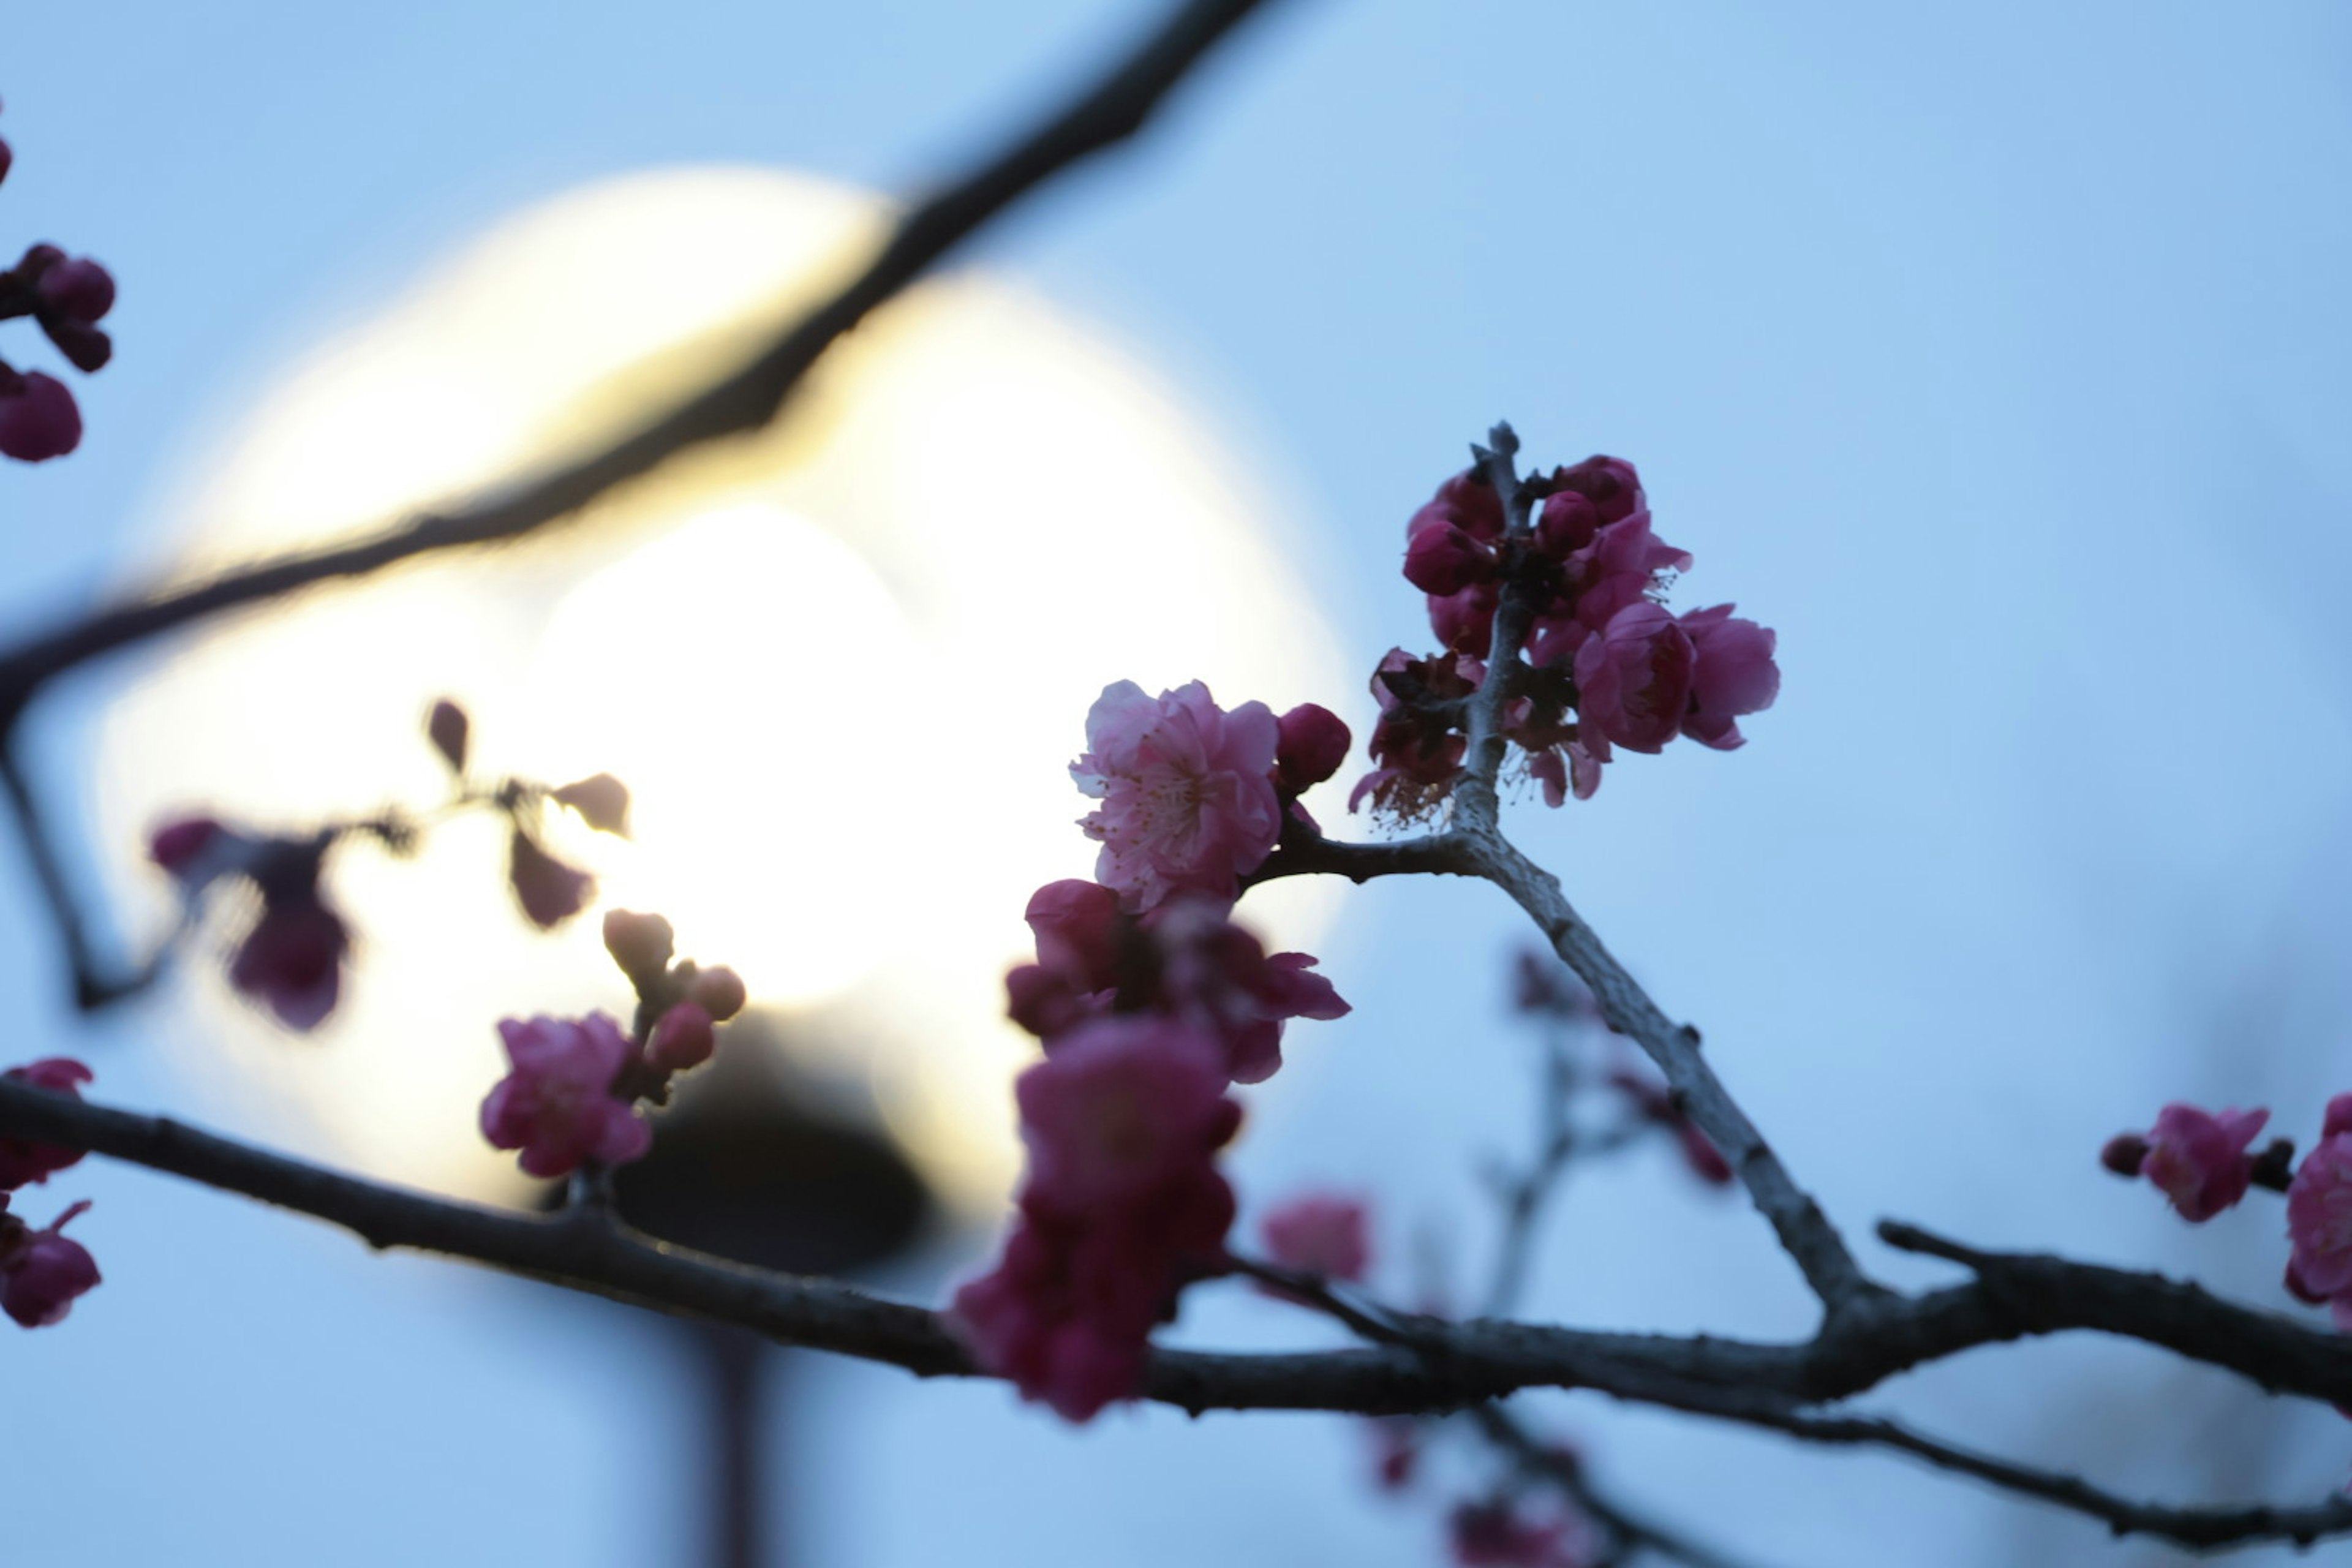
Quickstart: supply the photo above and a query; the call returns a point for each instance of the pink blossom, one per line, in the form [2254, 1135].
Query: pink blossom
[2199, 1160]
[38, 419]
[1396, 1441]
[1619, 567]
[1650, 1099]
[1417, 751]
[1185, 960]
[1633, 679]
[1189, 802]
[1123, 1205]
[1567, 524]
[549, 891]
[557, 1105]
[23, 1161]
[1734, 675]
[1473, 503]
[41, 1271]
[2319, 1219]
[1611, 484]
[1465, 622]
[291, 961]
[682, 1038]
[1318, 1234]
[1311, 744]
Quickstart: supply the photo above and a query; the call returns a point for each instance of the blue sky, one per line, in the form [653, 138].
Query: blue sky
[1994, 354]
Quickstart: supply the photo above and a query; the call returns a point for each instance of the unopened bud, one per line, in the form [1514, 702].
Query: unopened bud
[449, 727]
[682, 1039]
[719, 990]
[2125, 1153]
[640, 945]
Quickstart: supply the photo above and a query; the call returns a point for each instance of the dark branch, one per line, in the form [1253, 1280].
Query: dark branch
[1109, 112]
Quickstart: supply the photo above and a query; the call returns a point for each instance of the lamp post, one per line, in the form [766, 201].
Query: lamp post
[749, 1164]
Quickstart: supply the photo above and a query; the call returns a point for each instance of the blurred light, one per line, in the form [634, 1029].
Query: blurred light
[841, 662]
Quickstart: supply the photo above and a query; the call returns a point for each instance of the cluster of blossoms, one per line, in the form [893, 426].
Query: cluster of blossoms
[2204, 1162]
[41, 1271]
[1150, 1003]
[291, 957]
[67, 296]
[1606, 664]
[571, 1096]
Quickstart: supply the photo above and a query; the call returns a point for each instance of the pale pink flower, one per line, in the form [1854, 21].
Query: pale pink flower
[1319, 1234]
[2199, 1160]
[2319, 1218]
[23, 1161]
[1187, 800]
[557, 1106]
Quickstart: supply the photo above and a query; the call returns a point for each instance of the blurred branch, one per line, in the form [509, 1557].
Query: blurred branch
[1107, 113]
[1634, 1533]
[1417, 1365]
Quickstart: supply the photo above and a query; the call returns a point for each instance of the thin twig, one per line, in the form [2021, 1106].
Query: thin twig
[1634, 1532]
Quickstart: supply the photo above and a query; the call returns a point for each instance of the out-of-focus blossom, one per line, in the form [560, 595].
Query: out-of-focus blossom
[1123, 1205]
[1501, 1534]
[291, 961]
[42, 1272]
[1189, 802]
[2199, 1160]
[1319, 1234]
[2319, 1219]
[557, 1106]
[602, 801]
[682, 1038]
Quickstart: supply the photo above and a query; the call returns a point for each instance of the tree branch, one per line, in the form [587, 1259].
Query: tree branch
[1109, 112]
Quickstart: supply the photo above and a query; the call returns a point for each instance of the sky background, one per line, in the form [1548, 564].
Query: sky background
[1995, 356]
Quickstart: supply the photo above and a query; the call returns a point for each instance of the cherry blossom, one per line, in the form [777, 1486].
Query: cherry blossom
[1187, 800]
[1319, 1234]
[42, 1272]
[2199, 1160]
[557, 1105]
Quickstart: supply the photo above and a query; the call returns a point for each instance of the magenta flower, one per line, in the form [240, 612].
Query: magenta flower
[2319, 1219]
[291, 961]
[22, 1160]
[1734, 675]
[1633, 679]
[1441, 556]
[1189, 803]
[557, 1105]
[1319, 1234]
[1122, 1208]
[42, 1272]
[1465, 622]
[38, 418]
[77, 288]
[2199, 1160]
[1609, 483]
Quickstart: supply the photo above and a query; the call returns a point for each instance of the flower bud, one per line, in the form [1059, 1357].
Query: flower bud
[640, 945]
[2125, 1153]
[717, 991]
[78, 290]
[1440, 555]
[448, 728]
[38, 420]
[1310, 744]
[682, 1039]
